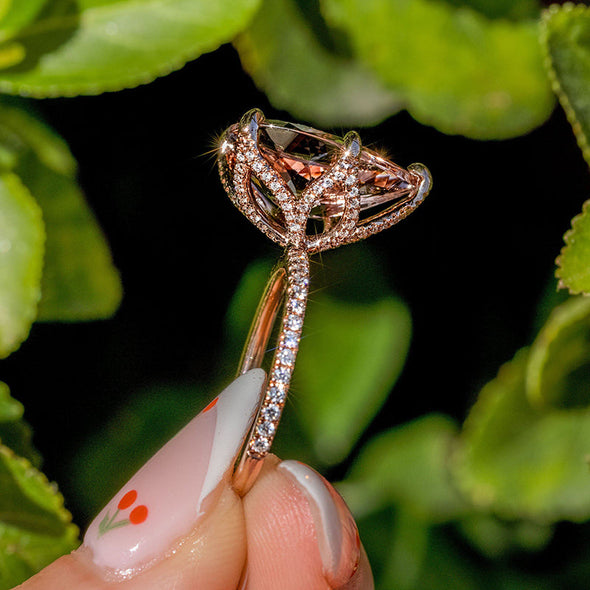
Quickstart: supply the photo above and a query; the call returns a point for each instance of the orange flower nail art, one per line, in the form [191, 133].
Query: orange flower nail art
[138, 515]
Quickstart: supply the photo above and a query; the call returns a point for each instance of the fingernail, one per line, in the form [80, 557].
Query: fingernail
[336, 531]
[162, 502]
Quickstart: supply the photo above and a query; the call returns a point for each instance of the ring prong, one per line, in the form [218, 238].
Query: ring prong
[353, 144]
[425, 180]
[251, 121]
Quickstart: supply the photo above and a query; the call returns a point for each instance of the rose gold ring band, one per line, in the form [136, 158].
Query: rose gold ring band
[288, 180]
[287, 287]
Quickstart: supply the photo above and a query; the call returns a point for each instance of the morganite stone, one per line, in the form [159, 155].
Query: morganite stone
[301, 154]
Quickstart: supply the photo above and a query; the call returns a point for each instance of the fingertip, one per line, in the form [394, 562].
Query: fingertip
[300, 532]
[337, 534]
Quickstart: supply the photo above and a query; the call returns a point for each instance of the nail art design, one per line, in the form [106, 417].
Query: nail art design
[162, 502]
[138, 515]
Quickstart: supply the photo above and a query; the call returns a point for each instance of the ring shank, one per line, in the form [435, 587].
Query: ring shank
[252, 356]
[264, 320]
[285, 294]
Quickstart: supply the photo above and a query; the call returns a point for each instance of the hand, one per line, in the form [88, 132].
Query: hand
[178, 524]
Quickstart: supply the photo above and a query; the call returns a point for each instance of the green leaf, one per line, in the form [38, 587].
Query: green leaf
[520, 461]
[497, 538]
[408, 551]
[79, 279]
[513, 9]
[565, 34]
[349, 359]
[299, 74]
[15, 14]
[573, 264]
[449, 565]
[407, 466]
[558, 371]
[15, 433]
[35, 528]
[21, 259]
[456, 69]
[92, 46]
[10, 409]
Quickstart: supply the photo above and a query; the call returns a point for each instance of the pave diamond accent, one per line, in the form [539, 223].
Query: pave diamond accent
[260, 446]
[277, 394]
[271, 413]
[297, 264]
[282, 175]
[266, 429]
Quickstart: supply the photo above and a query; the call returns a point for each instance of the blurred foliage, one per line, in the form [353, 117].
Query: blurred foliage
[15, 433]
[440, 505]
[407, 467]
[565, 35]
[35, 528]
[91, 46]
[79, 280]
[573, 270]
[289, 60]
[21, 247]
[519, 461]
[558, 370]
[454, 68]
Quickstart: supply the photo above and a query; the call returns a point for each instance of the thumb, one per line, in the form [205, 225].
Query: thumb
[177, 523]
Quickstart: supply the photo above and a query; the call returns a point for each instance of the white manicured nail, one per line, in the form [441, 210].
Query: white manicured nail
[336, 531]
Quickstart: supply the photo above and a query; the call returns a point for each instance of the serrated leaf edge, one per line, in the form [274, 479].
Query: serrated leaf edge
[62, 512]
[573, 310]
[116, 84]
[562, 284]
[35, 210]
[546, 16]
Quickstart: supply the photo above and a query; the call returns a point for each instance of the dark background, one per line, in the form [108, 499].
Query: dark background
[472, 263]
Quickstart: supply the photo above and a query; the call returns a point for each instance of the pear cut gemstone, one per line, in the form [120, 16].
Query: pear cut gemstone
[300, 155]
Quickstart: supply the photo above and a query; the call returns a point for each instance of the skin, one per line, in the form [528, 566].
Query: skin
[272, 524]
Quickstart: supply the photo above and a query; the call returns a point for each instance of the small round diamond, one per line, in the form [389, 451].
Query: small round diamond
[299, 291]
[271, 413]
[290, 339]
[294, 322]
[260, 446]
[297, 306]
[282, 375]
[266, 429]
[277, 394]
[286, 356]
